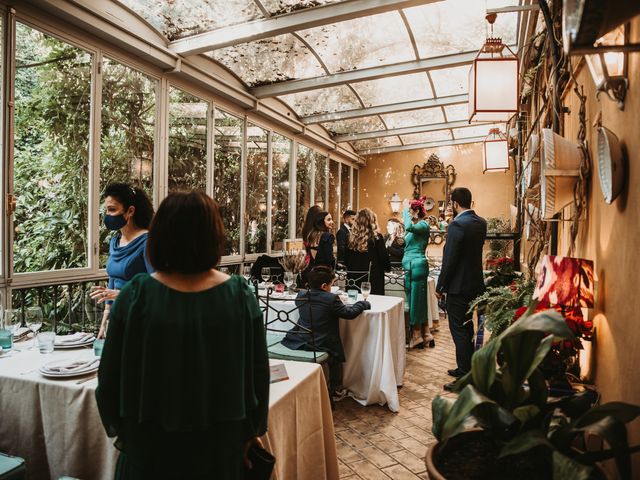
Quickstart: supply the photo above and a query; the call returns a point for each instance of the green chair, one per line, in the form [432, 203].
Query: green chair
[12, 468]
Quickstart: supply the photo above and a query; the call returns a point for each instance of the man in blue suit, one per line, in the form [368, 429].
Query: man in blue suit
[461, 277]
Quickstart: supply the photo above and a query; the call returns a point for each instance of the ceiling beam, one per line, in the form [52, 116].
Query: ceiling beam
[434, 127]
[277, 25]
[373, 73]
[515, 8]
[416, 146]
[383, 109]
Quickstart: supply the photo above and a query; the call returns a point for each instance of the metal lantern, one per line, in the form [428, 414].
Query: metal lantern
[495, 152]
[395, 203]
[493, 82]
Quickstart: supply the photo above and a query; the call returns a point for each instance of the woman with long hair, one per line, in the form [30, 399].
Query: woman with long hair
[366, 252]
[320, 240]
[306, 228]
[394, 241]
[127, 211]
[416, 267]
[184, 374]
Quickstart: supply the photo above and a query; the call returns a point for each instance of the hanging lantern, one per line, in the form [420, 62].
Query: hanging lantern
[493, 81]
[495, 152]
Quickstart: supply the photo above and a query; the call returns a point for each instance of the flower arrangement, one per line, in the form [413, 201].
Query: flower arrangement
[294, 261]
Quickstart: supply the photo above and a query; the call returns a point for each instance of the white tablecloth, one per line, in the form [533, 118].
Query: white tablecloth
[395, 287]
[374, 344]
[55, 426]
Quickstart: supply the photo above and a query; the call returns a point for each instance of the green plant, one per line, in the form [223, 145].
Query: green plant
[498, 248]
[505, 394]
[499, 304]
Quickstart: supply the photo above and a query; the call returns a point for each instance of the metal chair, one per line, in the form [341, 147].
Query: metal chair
[352, 279]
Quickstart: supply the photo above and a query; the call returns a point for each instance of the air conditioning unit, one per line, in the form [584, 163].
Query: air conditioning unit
[559, 170]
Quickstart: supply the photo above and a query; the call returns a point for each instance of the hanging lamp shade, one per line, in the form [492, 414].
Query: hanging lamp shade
[493, 82]
[495, 152]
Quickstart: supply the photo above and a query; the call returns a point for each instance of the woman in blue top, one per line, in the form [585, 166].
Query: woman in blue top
[128, 211]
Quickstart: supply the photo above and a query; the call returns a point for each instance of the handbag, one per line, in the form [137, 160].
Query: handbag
[262, 463]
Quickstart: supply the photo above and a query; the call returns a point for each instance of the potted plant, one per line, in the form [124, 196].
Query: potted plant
[518, 430]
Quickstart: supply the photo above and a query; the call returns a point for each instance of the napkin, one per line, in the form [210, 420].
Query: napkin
[20, 332]
[71, 366]
[78, 337]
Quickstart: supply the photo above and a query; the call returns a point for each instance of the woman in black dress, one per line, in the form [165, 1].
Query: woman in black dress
[366, 251]
[320, 240]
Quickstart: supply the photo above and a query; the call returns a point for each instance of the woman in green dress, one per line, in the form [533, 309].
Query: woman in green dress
[416, 267]
[184, 374]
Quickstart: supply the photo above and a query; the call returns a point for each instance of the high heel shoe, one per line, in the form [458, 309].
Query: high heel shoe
[429, 341]
[416, 342]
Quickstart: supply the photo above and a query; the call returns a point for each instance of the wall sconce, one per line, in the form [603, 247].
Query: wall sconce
[395, 203]
[493, 81]
[495, 152]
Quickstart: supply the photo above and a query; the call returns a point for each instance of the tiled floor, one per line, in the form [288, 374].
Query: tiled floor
[374, 443]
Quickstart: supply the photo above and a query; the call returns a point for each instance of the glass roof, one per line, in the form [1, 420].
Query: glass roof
[444, 27]
[476, 130]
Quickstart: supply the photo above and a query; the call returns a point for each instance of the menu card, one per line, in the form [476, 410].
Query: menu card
[278, 373]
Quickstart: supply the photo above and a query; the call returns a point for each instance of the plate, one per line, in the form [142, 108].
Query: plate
[77, 373]
[84, 343]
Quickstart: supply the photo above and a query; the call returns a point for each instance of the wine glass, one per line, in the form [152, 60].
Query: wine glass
[366, 289]
[265, 273]
[289, 278]
[246, 272]
[33, 320]
[12, 321]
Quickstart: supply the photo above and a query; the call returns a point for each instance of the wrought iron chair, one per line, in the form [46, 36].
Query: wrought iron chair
[352, 279]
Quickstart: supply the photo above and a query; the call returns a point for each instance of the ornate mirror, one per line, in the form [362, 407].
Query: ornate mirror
[434, 181]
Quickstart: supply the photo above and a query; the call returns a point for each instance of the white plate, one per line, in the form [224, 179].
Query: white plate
[85, 343]
[76, 373]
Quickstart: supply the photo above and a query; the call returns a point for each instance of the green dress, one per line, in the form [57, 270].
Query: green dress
[415, 264]
[183, 379]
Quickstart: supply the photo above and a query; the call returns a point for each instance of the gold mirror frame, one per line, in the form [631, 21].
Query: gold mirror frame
[433, 169]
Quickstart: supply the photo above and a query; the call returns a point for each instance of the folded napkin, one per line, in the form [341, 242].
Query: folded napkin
[71, 366]
[79, 337]
[21, 332]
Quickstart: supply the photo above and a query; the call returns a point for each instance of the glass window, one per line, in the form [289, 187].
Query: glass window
[323, 100]
[457, 112]
[424, 116]
[281, 7]
[426, 137]
[376, 143]
[451, 81]
[255, 218]
[51, 153]
[345, 190]
[227, 160]
[354, 125]
[320, 180]
[187, 141]
[334, 191]
[304, 164]
[280, 160]
[396, 89]
[128, 132]
[476, 131]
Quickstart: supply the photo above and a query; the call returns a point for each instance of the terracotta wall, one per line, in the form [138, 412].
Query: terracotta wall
[611, 237]
[390, 173]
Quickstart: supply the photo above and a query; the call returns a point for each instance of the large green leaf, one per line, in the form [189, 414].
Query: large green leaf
[565, 468]
[525, 442]
[620, 411]
[483, 366]
[546, 322]
[440, 410]
[615, 433]
[541, 352]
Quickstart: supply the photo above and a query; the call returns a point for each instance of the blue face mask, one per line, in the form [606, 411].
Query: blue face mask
[114, 222]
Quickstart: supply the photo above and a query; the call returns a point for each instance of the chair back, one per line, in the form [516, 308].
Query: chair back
[352, 279]
[277, 272]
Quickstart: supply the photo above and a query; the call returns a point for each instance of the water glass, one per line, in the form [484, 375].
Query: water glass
[265, 273]
[289, 278]
[33, 319]
[366, 289]
[10, 322]
[353, 295]
[98, 345]
[45, 341]
[246, 272]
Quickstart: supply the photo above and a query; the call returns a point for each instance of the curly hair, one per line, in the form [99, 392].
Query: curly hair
[418, 205]
[364, 230]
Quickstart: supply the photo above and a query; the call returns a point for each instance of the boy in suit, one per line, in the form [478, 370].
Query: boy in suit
[461, 277]
[325, 309]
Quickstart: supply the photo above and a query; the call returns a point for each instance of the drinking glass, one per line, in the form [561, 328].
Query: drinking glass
[366, 289]
[246, 272]
[45, 341]
[289, 278]
[265, 273]
[6, 335]
[12, 321]
[33, 320]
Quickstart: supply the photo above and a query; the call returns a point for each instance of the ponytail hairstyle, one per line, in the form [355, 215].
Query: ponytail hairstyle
[132, 196]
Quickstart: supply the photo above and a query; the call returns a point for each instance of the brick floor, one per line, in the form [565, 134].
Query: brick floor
[373, 442]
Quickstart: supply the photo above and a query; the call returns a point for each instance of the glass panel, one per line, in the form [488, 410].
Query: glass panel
[424, 116]
[376, 142]
[345, 189]
[426, 137]
[281, 7]
[127, 132]
[281, 156]
[457, 112]
[320, 180]
[334, 192]
[403, 88]
[454, 26]
[323, 100]
[51, 156]
[227, 158]
[476, 131]
[354, 125]
[304, 164]
[187, 141]
[362, 42]
[451, 81]
[354, 192]
[255, 221]
[3, 218]
[178, 19]
[271, 60]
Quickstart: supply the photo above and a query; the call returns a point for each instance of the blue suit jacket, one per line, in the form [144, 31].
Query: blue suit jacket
[326, 309]
[461, 272]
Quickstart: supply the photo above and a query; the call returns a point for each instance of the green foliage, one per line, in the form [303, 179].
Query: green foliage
[506, 395]
[498, 248]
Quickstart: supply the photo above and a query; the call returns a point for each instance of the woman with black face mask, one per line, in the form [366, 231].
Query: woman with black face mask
[128, 211]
